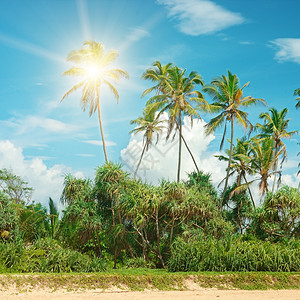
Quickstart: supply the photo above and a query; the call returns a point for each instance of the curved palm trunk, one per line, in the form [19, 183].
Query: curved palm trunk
[140, 161]
[229, 161]
[249, 191]
[179, 150]
[192, 156]
[102, 134]
[190, 152]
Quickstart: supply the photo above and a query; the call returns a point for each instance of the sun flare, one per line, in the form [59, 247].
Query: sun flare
[94, 71]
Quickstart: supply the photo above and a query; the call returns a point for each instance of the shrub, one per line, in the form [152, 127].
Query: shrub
[46, 256]
[234, 254]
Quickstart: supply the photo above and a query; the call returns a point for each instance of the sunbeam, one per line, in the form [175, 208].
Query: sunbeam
[84, 19]
[30, 48]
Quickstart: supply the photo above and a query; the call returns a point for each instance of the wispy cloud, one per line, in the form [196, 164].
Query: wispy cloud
[246, 43]
[85, 155]
[135, 34]
[196, 17]
[288, 49]
[31, 123]
[99, 143]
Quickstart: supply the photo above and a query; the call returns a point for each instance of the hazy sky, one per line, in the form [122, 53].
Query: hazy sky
[42, 139]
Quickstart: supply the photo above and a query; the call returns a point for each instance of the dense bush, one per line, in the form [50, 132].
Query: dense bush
[45, 256]
[234, 254]
[8, 218]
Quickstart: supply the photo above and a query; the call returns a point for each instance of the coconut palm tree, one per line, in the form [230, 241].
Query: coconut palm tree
[92, 66]
[229, 99]
[264, 160]
[150, 125]
[241, 163]
[157, 74]
[178, 97]
[297, 93]
[275, 126]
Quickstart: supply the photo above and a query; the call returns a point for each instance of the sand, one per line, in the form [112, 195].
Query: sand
[206, 294]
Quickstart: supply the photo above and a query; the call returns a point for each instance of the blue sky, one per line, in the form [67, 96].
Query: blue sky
[41, 139]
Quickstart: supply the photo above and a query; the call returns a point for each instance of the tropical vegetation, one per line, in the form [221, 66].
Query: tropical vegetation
[116, 220]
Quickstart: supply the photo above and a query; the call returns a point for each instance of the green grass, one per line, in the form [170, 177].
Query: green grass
[141, 279]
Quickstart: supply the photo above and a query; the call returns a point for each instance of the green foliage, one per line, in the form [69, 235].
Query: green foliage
[202, 181]
[233, 254]
[278, 218]
[8, 218]
[238, 208]
[53, 215]
[74, 189]
[46, 255]
[33, 221]
[14, 186]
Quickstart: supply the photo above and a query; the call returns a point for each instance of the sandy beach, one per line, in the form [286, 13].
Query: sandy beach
[206, 294]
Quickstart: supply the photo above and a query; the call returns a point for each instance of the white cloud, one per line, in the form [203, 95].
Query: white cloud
[290, 179]
[99, 143]
[161, 159]
[287, 49]
[196, 17]
[46, 182]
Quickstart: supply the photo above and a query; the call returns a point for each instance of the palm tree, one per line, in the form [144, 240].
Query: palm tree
[178, 97]
[54, 218]
[241, 163]
[275, 126]
[297, 93]
[149, 124]
[92, 65]
[264, 160]
[75, 189]
[228, 99]
[157, 73]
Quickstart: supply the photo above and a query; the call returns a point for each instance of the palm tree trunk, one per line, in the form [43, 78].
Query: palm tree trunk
[102, 134]
[249, 191]
[192, 156]
[276, 166]
[140, 161]
[230, 155]
[190, 152]
[179, 150]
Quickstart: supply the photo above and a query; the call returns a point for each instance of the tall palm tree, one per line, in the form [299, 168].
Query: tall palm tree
[92, 66]
[241, 163]
[149, 124]
[275, 126]
[229, 99]
[178, 97]
[157, 74]
[297, 93]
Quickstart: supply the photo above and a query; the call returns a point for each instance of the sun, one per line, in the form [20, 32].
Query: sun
[94, 71]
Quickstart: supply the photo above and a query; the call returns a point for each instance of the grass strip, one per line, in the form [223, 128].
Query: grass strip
[141, 279]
